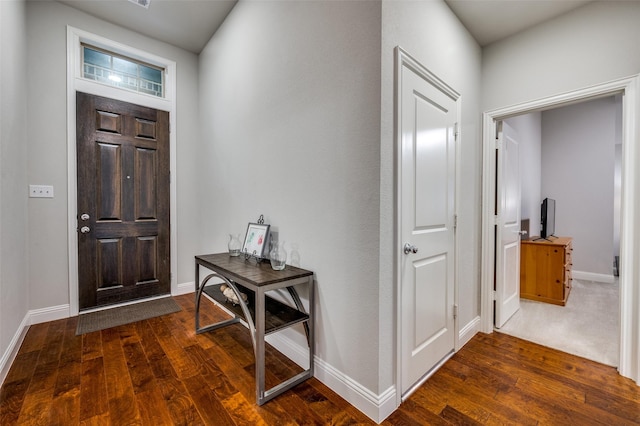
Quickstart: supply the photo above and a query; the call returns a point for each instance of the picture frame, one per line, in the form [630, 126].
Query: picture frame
[256, 240]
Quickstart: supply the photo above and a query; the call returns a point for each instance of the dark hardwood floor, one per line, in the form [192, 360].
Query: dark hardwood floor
[158, 371]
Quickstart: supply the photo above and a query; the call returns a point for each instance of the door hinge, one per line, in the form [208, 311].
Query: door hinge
[496, 220]
[455, 311]
[455, 131]
[495, 295]
[455, 221]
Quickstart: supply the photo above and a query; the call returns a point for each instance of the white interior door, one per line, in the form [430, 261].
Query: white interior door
[508, 232]
[428, 117]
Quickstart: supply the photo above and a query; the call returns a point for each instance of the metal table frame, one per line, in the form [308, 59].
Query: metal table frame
[260, 279]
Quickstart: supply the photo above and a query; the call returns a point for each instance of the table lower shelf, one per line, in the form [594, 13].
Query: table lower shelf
[277, 316]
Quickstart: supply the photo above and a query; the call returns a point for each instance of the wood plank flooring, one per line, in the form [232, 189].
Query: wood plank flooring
[159, 372]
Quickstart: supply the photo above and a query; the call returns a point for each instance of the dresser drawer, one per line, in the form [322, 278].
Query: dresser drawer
[568, 255]
[545, 270]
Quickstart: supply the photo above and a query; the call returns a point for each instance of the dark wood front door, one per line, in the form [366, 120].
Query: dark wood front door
[123, 201]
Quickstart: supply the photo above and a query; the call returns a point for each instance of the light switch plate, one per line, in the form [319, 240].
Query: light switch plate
[40, 191]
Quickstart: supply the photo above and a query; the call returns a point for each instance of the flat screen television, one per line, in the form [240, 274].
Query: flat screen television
[548, 218]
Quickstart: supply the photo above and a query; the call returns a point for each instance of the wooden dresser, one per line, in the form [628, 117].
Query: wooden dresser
[545, 269]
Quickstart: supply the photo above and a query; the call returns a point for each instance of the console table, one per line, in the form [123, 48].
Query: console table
[263, 314]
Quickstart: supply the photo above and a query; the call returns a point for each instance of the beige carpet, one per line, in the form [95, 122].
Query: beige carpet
[587, 326]
[113, 317]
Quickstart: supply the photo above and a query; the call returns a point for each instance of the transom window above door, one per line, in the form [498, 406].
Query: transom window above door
[117, 70]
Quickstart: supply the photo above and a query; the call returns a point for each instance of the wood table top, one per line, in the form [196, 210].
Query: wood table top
[553, 240]
[258, 274]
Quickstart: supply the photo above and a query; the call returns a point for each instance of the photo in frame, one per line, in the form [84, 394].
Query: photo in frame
[255, 240]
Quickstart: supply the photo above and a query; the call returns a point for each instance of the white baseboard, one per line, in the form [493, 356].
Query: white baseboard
[52, 313]
[12, 350]
[184, 288]
[376, 407]
[468, 331]
[590, 276]
[288, 347]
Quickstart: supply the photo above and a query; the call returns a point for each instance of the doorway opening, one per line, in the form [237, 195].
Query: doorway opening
[566, 281]
[629, 292]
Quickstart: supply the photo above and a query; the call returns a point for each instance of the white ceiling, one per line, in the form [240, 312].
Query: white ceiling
[189, 24]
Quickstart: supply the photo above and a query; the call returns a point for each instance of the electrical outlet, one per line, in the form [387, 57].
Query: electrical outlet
[40, 191]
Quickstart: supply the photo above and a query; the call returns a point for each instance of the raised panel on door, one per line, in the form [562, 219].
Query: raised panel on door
[109, 266]
[123, 187]
[109, 182]
[147, 248]
[431, 170]
[145, 191]
[108, 122]
[430, 300]
[145, 128]
[511, 272]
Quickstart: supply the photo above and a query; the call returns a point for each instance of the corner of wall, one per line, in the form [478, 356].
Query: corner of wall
[375, 406]
[12, 349]
[184, 288]
[468, 331]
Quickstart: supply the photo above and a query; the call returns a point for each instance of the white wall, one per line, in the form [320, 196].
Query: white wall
[47, 146]
[14, 293]
[578, 161]
[529, 128]
[591, 45]
[290, 110]
[432, 34]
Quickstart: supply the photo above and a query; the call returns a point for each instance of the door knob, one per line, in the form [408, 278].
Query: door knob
[408, 248]
[84, 216]
[85, 229]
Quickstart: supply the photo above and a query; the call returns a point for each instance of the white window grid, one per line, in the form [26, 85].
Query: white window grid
[127, 81]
